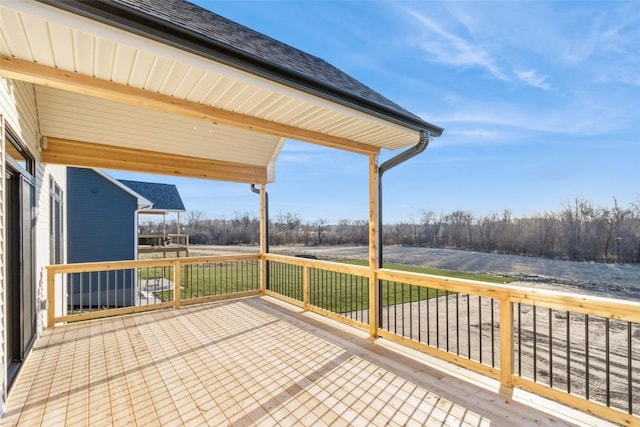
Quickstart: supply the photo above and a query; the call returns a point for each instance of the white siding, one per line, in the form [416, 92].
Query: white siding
[43, 248]
[18, 105]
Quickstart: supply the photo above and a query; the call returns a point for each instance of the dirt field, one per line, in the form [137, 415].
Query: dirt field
[611, 280]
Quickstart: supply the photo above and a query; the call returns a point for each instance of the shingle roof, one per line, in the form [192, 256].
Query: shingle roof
[165, 197]
[211, 25]
[190, 26]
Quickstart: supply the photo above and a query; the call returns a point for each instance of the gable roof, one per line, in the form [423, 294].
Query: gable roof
[188, 26]
[165, 197]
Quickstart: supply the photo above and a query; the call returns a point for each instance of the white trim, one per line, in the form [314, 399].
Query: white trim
[3, 272]
[271, 166]
[152, 211]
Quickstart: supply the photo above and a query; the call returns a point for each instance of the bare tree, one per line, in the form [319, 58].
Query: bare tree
[577, 231]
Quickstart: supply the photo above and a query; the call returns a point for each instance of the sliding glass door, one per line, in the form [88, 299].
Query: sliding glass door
[21, 283]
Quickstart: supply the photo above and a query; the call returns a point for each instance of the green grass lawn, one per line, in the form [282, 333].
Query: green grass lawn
[209, 279]
[341, 293]
[336, 292]
[439, 272]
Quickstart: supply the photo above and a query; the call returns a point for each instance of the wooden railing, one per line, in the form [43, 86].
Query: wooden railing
[163, 239]
[91, 290]
[177, 244]
[580, 350]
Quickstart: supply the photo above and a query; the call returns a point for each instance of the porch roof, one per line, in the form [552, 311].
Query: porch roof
[135, 84]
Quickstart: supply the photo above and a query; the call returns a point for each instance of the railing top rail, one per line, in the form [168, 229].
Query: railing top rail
[86, 267]
[559, 300]
[356, 270]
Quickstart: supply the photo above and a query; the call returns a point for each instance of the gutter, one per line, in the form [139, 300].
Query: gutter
[143, 24]
[422, 144]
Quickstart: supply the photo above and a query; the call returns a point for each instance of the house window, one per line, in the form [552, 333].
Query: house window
[55, 222]
[18, 156]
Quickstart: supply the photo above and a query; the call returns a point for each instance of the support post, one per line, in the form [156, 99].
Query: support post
[51, 298]
[374, 294]
[176, 284]
[264, 218]
[306, 279]
[506, 342]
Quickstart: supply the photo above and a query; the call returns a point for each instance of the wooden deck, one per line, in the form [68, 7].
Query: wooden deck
[252, 361]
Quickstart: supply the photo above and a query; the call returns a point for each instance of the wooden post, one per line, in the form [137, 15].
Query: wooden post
[176, 284]
[374, 297]
[306, 277]
[51, 298]
[263, 239]
[506, 341]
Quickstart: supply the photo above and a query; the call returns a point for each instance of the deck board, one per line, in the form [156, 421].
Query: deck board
[252, 361]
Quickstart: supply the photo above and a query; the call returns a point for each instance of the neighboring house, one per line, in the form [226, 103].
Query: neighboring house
[165, 199]
[102, 223]
[154, 87]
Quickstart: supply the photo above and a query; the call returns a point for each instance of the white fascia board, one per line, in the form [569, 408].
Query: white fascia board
[271, 166]
[160, 211]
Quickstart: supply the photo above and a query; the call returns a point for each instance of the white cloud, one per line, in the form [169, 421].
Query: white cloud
[451, 49]
[532, 78]
[460, 41]
[633, 80]
[487, 122]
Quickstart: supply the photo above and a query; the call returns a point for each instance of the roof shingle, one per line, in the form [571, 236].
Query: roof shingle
[165, 197]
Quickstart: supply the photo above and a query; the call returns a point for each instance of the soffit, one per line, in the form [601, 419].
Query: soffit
[39, 34]
[72, 116]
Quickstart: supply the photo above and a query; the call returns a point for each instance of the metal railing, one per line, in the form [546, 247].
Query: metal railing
[596, 358]
[457, 323]
[332, 289]
[341, 293]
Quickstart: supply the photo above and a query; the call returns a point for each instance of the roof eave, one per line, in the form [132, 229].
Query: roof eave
[123, 17]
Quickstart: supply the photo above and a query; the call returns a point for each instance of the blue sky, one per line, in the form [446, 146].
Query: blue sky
[540, 102]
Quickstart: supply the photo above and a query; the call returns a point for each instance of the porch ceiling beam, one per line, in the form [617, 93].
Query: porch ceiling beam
[18, 69]
[87, 154]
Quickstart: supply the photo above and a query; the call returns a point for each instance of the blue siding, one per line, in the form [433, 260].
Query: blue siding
[101, 225]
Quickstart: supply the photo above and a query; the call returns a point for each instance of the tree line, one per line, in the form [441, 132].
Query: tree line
[578, 231]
